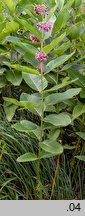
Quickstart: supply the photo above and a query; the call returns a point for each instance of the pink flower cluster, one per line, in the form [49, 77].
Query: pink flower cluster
[40, 56]
[45, 26]
[38, 9]
[34, 38]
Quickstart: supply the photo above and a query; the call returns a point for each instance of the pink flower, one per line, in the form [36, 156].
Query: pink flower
[45, 26]
[38, 9]
[41, 56]
[34, 38]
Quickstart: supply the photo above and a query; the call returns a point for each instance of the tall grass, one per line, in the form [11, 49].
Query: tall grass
[18, 180]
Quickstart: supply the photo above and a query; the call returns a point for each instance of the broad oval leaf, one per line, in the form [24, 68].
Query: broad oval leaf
[35, 81]
[27, 157]
[60, 97]
[57, 62]
[78, 110]
[58, 120]
[52, 147]
[34, 98]
[24, 125]
[14, 77]
[9, 110]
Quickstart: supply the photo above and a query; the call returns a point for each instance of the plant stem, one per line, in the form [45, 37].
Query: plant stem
[41, 135]
[54, 179]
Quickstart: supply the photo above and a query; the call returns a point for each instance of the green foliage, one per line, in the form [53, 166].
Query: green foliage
[27, 157]
[18, 180]
[34, 82]
[52, 147]
[62, 73]
[81, 157]
[58, 120]
[57, 62]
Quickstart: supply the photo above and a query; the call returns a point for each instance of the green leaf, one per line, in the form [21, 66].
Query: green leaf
[24, 69]
[9, 110]
[44, 154]
[25, 126]
[61, 85]
[78, 110]
[51, 12]
[61, 4]
[35, 82]
[61, 19]
[73, 32]
[2, 70]
[58, 120]
[57, 62]
[7, 182]
[81, 134]
[68, 147]
[62, 48]
[30, 58]
[82, 93]
[52, 147]
[14, 77]
[27, 157]
[60, 97]
[81, 157]
[25, 104]
[69, 4]
[28, 127]
[12, 101]
[54, 43]
[22, 5]
[29, 27]
[54, 134]
[11, 5]
[25, 46]
[11, 26]
[34, 98]
[77, 3]
[75, 74]
[2, 82]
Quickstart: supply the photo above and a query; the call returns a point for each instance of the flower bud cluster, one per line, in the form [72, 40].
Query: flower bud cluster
[40, 56]
[34, 38]
[38, 9]
[45, 26]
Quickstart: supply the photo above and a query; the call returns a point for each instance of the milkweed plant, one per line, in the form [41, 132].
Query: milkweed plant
[48, 49]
